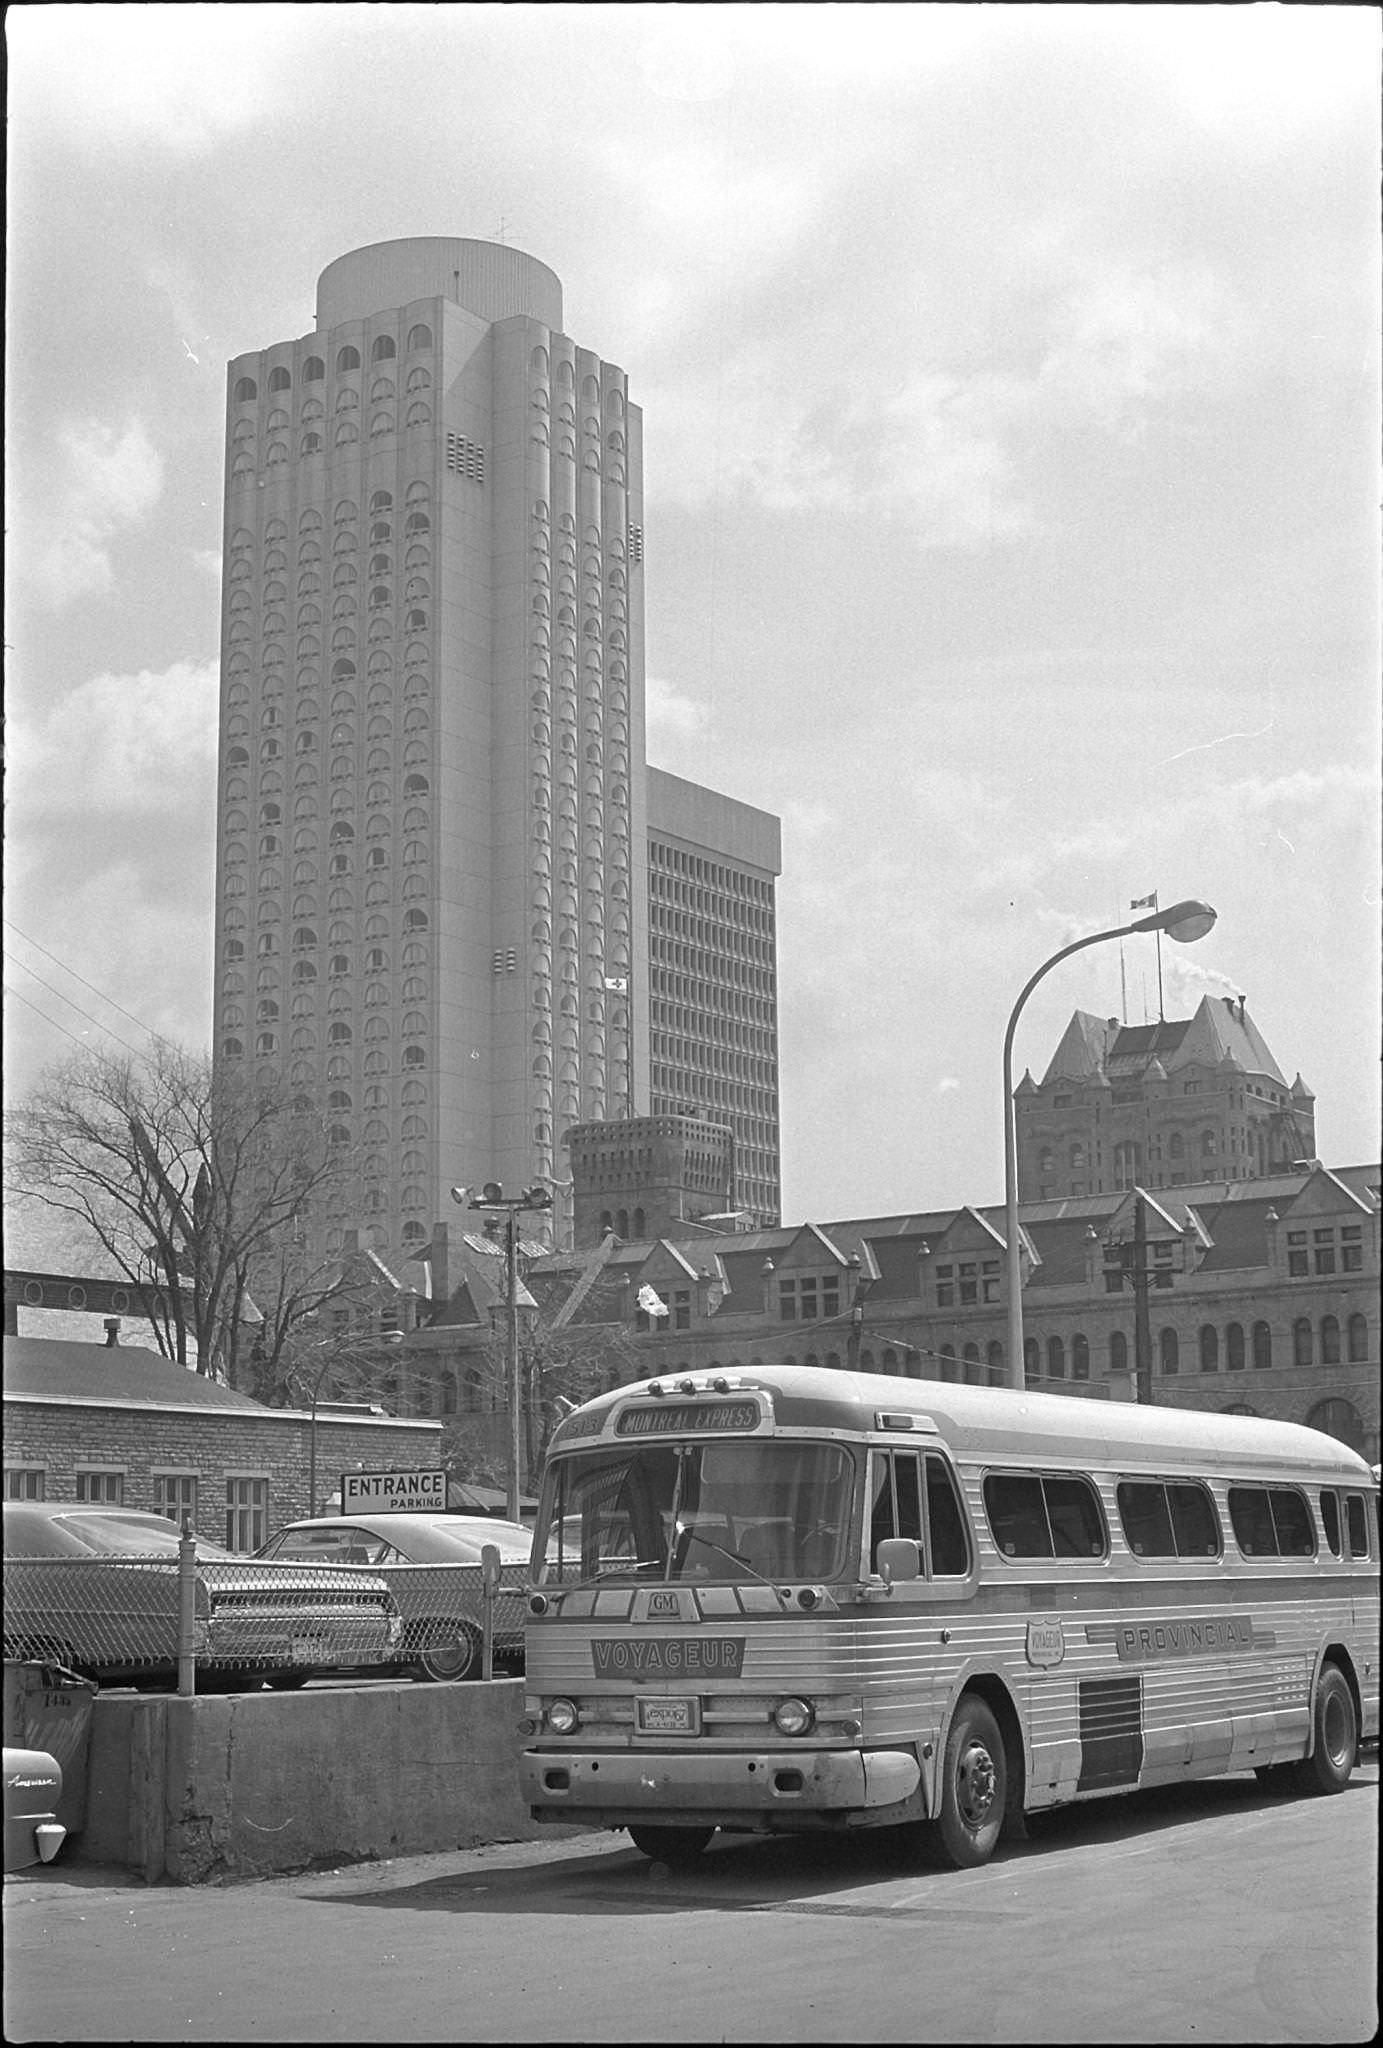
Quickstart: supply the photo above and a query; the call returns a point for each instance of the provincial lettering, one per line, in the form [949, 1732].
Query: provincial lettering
[1212, 1635]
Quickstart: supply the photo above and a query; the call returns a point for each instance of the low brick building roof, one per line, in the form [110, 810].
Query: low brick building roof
[126, 1375]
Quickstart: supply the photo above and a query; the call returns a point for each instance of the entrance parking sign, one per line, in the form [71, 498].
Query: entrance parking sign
[406, 1492]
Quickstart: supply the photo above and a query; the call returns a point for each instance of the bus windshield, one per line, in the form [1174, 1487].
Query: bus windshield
[699, 1511]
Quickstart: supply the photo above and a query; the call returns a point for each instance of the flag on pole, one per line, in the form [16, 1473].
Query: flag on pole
[617, 984]
[650, 1303]
[1144, 902]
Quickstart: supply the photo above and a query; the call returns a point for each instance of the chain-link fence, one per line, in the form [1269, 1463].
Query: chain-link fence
[117, 1619]
[442, 1608]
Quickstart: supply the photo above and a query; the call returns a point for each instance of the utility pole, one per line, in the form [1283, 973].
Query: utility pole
[493, 1199]
[1130, 1256]
[861, 1283]
[1142, 1327]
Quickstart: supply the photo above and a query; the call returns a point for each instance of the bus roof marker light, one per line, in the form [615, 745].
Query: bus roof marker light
[886, 1418]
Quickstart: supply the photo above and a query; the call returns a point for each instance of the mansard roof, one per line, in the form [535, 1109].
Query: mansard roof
[1083, 1049]
[1221, 1030]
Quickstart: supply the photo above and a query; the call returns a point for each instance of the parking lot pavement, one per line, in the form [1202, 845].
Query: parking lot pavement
[1210, 1913]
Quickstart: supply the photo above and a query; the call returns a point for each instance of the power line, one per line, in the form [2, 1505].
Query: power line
[76, 977]
[105, 1028]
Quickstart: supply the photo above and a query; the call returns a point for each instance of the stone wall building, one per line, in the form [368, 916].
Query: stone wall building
[1262, 1297]
[1159, 1105]
[122, 1425]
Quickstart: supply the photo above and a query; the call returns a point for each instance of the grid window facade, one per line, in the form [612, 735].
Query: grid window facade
[713, 1008]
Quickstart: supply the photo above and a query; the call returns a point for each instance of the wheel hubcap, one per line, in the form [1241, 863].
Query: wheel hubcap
[447, 1660]
[977, 1784]
[1336, 1731]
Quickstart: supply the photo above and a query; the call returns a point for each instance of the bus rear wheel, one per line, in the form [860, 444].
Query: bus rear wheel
[974, 1786]
[1335, 1728]
[677, 1847]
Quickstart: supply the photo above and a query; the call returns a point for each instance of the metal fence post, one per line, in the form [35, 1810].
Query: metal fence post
[187, 1615]
[489, 1587]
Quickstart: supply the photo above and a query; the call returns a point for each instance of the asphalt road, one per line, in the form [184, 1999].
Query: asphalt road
[1213, 1913]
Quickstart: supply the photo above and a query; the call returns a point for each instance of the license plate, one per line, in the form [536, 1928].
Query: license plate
[306, 1650]
[669, 1717]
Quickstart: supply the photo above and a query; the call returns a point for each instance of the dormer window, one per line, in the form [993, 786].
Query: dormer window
[809, 1297]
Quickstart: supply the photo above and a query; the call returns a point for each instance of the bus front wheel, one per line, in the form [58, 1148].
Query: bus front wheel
[974, 1786]
[1335, 1727]
[677, 1847]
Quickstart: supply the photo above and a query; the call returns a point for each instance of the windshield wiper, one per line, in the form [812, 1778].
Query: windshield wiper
[695, 1536]
[627, 1567]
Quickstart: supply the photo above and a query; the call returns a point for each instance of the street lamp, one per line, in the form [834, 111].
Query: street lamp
[1184, 922]
[493, 1199]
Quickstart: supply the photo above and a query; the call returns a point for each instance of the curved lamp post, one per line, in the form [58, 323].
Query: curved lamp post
[1183, 922]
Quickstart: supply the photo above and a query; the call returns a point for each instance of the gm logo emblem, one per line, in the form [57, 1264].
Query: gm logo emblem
[663, 1603]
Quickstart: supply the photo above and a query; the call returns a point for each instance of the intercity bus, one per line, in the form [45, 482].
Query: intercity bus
[786, 1598]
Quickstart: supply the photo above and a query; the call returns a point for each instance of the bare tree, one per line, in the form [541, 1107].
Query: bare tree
[204, 1190]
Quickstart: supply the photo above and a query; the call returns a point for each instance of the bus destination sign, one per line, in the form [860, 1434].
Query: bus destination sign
[670, 1416]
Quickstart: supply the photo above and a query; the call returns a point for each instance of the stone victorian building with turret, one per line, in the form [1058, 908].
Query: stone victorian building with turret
[1160, 1105]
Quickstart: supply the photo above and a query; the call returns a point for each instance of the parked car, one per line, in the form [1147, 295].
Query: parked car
[431, 1563]
[96, 1589]
[33, 1787]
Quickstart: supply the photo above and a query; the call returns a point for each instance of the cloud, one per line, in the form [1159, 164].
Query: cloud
[139, 745]
[106, 479]
[174, 77]
[927, 451]
[673, 717]
[1128, 338]
[1263, 67]
[111, 794]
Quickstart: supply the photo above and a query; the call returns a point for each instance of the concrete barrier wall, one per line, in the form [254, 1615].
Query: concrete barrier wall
[186, 1791]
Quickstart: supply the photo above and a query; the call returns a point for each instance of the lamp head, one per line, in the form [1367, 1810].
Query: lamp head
[1184, 922]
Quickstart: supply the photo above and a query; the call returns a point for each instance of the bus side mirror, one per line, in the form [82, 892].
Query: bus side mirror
[898, 1558]
[489, 1567]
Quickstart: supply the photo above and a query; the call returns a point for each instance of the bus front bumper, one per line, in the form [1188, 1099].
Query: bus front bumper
[604, 1787]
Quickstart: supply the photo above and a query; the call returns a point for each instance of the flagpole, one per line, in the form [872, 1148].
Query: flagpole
[1147, 903]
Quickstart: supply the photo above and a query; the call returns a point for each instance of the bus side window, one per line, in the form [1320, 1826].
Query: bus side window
[1271, 1522]
[1253, 1522]
[897, 1498]
[1146, 1521]
[1077, 1530]
[1017, 1518]
[1194, 1521]
[1295, 1535]
[945, 1522]
[1356, 1517]
[1330, 1520]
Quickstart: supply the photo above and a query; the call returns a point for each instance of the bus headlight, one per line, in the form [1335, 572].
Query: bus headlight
[794, 1717]
[563, 1717]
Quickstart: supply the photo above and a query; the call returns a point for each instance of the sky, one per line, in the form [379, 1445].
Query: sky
[1010, 380]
